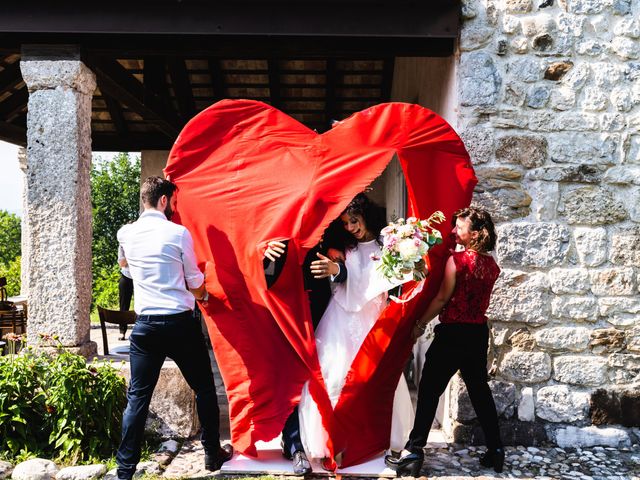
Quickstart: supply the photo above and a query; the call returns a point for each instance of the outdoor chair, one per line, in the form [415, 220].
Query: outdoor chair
[113, 316]
[13, 321]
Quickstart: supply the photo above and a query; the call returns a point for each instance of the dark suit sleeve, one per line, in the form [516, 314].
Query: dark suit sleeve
[272, 270]
[342, 275]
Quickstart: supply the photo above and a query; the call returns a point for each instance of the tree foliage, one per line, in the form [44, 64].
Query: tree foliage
[115, 197]
[9, 237]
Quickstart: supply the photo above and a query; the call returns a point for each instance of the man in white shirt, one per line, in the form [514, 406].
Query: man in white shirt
[167, 282]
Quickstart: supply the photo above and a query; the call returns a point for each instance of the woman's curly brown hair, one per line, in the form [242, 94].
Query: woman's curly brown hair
[482, 223]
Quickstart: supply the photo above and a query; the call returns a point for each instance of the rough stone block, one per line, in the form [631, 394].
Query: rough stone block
[577, 78]
[504, 396]
[526, 367]
[569, 280]
[607, 340]
[595, 99]
[475, 35]
[623, 175]
[515, 94]
[625, 48]
[572, 437]
[575, 308]
[583, 370]
[584, 149]
[624, 247]
[562, 99]
[35, 469]
[525, 70]
[591, 245]
[556, 70]
[518, 6]
[479, 142]
[624, 368]
[592, 206]
[479, 80]
[82, 472]
[574, 339]
[532, 244]
[621, 407]
[572, 173]
[512, 432]
[6, 469]
[521, 339]
[557, 403]
[545, 197]
[529, 151]
[526, 406]
[520, 297]
[538, 96]
[585, 6]
[613, 281]
[173, 409]
[63, 74]
[633, 339]
[632, 152]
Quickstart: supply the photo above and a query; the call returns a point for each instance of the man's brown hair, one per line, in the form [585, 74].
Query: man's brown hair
[482, 223]
[153, 188]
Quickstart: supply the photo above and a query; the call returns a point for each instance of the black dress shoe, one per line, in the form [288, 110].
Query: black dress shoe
[493, 459]
[408, 465]
[214, 460]
[301, 465]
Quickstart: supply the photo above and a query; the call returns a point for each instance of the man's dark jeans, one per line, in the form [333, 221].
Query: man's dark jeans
[155, 337]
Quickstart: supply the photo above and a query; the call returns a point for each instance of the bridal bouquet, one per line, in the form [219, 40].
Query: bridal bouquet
[405, 244]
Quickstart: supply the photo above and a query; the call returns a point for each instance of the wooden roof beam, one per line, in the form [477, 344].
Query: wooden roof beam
[117, 82]
[12, 133]
[14, 104]
[10, 77]
[182, 88]
[217, 79]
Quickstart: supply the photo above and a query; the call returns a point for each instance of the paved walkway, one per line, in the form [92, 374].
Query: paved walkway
[454, 461]
[458, 462]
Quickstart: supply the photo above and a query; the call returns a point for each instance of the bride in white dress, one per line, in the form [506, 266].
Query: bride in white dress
[353, 309]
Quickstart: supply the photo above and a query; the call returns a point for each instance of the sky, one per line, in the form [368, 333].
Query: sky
[11, 177]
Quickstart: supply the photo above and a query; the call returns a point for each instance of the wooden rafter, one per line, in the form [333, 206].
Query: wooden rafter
[217, 79]
[14, 104]
[10, 77]
[117, 82]
[182, 87]
[274, 83]
[115, 112]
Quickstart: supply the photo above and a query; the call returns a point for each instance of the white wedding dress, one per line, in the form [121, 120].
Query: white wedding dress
[352, 311]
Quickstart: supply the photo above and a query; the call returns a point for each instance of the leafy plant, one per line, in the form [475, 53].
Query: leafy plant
[58, 406]
[10, 235]
[115, 201]
[12, 270]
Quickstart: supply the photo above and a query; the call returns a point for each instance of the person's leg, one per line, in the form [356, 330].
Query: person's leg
[189, 351]
[474, 373]
[146, 361]
[439, 366]
[291, 442]
[125, 292]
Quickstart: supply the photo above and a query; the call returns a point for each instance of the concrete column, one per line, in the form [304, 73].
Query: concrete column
[24, 224]
[59, 196]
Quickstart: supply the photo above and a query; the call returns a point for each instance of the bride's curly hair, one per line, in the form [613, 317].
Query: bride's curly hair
[374, 218]
[482, 223]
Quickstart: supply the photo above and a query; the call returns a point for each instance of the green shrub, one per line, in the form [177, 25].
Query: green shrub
[59, 407]
[11, 270]
[105, 288]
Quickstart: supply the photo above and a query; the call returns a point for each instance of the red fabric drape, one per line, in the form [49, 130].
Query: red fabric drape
[247, 174]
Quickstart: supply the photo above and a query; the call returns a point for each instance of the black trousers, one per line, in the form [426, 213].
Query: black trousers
[153, 338]
[125, 292]
[455, 347]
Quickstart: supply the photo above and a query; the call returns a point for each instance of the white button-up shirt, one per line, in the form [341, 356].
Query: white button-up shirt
[161, 259]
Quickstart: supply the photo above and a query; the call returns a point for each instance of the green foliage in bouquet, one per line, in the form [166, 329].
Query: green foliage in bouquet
[405, 245]
[58, 406]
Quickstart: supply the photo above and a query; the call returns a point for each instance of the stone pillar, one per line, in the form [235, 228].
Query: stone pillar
[24, 224]
[59, 196]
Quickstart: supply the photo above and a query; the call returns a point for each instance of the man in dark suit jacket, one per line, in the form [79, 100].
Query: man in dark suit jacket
[317, 268]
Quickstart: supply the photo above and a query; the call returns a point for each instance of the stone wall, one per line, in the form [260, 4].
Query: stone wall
[549, 107]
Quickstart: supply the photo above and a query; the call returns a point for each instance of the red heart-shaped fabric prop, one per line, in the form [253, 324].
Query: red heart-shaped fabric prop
[247, 174]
